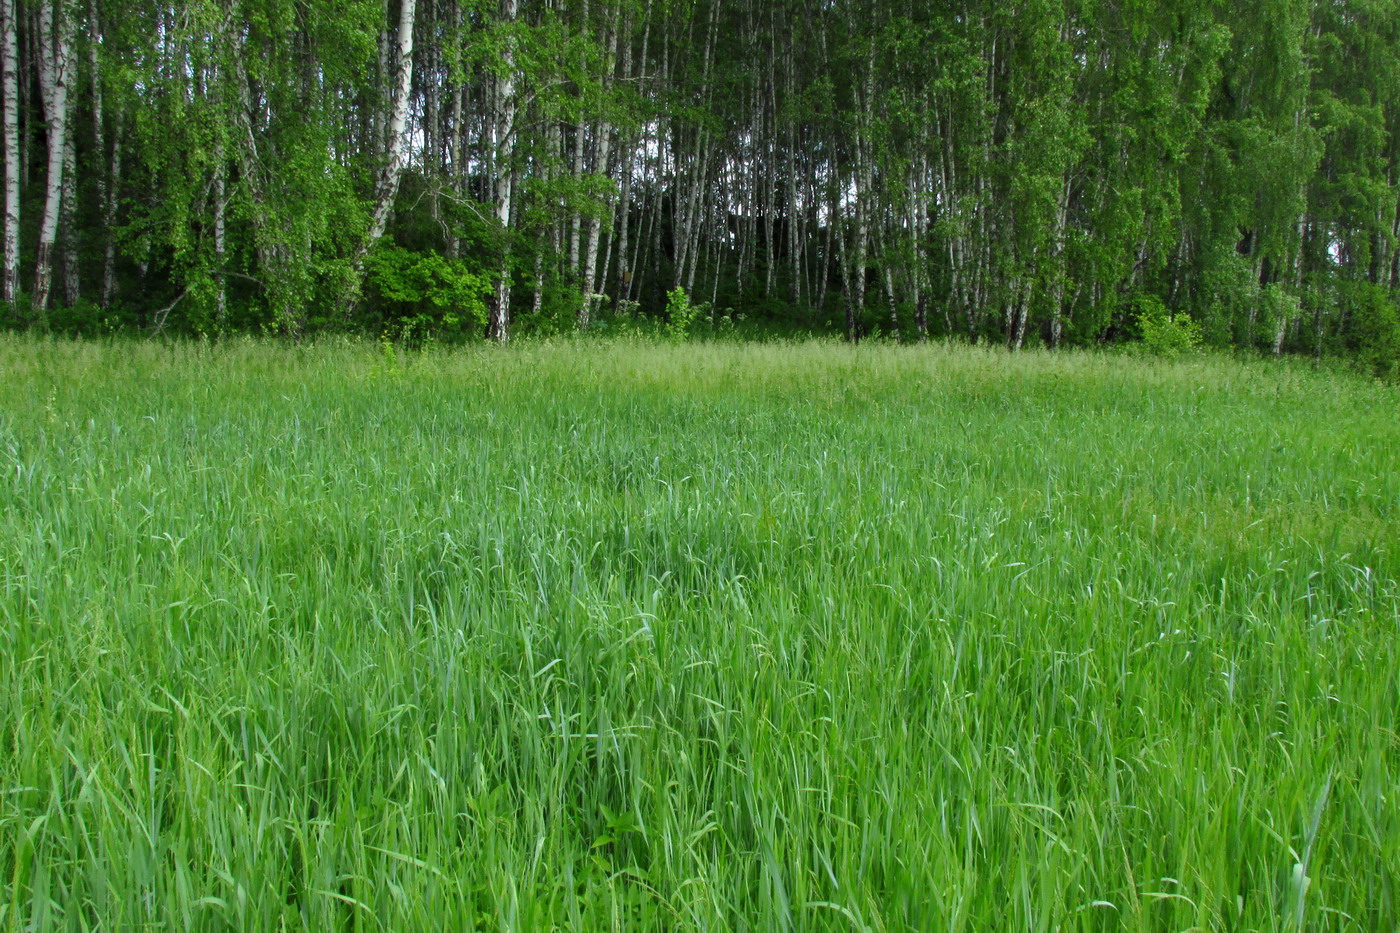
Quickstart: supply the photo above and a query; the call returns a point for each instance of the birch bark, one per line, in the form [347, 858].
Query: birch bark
[55, 35]
[67, 226]
[9, 77]
[604, 153]
[504, 139]
[396, 138]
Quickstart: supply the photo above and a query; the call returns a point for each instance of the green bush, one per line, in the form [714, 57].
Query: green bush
[681, 314]
[422, 295]
[1372, 328]
[1165, 333]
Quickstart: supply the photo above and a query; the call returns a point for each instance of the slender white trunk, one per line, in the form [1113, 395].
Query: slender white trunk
[1057, 295]
[396, 140]
[892, 299]
[220, 235]
[1395, 253]
[9, 70]
[624, 223]
[55, 61]
[794, 222]
[590, 284]
[917, 214]
[580, 153]
[457, 132]
[623, 289]
[864, 185]
[698, 211]
[380, 131]
[576, 221]
[681, 211]
[538, 304]
[499, 322]
[1023, 312]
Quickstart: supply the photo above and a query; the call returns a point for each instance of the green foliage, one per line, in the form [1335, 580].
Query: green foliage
[1062, 158]
[1228, 295]
[1164, 333]
[681, 314]
[1372, 328]
[422, 295]
[1278, 307]
[85, 319]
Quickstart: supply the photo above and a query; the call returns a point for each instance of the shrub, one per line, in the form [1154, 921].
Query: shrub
[1372, 328]
[681, 314]
[1165, 333]
[424, 295]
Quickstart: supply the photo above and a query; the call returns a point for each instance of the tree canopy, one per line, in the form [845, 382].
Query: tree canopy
[1034, 171]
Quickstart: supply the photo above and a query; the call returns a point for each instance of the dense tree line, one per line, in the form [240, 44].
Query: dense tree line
[1029, 171]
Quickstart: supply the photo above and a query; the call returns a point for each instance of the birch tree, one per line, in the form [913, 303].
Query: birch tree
[54, 31]
[9, 99]
[503, 138]
[396, 132]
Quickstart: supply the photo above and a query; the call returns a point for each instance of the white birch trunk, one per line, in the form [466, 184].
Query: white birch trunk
[576, 220]
[55, 61]
[590, 259]
[917, 213]
[499, 323]
[1057, 297]
[892, 300]
[220, 235]
[456, 130]
[9, 75]
[395, 140]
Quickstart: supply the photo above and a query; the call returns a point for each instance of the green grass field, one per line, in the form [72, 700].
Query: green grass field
[636, 637]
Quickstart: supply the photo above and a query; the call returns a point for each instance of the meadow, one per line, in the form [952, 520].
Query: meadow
[632, 636]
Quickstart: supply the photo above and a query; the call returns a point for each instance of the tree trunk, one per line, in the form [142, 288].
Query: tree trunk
[576, 220]
[109, 217]
[9, 75]
[864, 183]
[893, 301]
[106, 176]
[589, 285]
[499, 323]
[457, 132]
[68, 228]
[917, 231]
[55, 66]
[396, 138]
[1057, 296]
[220, 236]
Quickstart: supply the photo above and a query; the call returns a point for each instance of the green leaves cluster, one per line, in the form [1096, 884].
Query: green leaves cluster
[425, 295]
[1164, 333]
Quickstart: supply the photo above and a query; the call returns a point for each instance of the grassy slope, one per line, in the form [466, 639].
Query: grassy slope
[714, 638]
